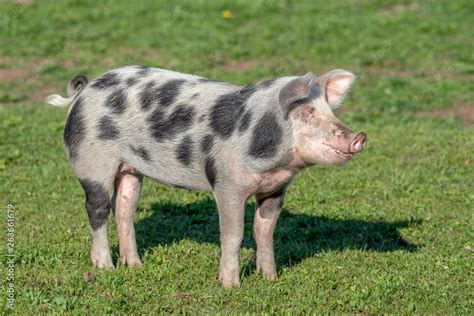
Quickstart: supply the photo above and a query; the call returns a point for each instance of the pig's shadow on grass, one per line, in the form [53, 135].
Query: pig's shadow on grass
[297, 236]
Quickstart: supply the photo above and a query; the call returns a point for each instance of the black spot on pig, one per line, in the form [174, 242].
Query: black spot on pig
[143, 70]
[211, 171]
[228, 109]
[97, 203]
[266, 137]
[270, 203]
[74, 130]
[245, 122]
[148, 96]
[163, 128]
[141, 152]
[117, 102]
[206, 143]
[266, 83]
[108, 130]
[167, 93]
[184, 151]
[131, 81]
[105, 81]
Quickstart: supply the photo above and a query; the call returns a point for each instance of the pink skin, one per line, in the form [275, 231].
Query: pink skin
[323, 139]
[127, 193]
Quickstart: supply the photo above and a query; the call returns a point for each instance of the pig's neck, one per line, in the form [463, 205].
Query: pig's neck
[273, 180]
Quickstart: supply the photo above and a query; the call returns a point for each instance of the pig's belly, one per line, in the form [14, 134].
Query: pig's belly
[171, 173]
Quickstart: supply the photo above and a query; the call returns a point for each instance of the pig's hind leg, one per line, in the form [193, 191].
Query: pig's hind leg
[96, 170]
[127, 184]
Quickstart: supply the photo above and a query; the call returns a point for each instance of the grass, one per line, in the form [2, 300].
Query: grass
[389, 233]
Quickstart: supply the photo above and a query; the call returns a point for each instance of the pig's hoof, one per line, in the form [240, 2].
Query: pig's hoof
[229, 280]
[229, 283]
[132, 261]
[270, 276]
[102, 259]
[107, 264]
[268, 273]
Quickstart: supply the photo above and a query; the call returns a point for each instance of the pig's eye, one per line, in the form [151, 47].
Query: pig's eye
[307, 112]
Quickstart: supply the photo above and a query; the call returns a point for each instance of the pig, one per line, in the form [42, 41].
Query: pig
[191, 132]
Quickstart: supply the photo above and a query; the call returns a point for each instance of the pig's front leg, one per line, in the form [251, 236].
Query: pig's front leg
[267, 211]
[231, 221]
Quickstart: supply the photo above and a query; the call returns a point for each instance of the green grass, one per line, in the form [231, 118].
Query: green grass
[388, 233]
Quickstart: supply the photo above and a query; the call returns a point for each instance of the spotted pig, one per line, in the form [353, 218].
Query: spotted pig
[191, 132]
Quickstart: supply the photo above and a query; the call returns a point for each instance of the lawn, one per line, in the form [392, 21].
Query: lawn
[391, 232]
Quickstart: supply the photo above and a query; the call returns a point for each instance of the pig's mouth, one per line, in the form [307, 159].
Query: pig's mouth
[340, 152]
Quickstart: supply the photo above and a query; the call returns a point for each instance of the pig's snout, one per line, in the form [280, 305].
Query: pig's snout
[358, 143]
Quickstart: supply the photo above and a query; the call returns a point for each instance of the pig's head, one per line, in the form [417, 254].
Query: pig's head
[319, 136]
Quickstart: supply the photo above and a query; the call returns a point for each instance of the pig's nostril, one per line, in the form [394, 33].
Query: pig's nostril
[358, 143]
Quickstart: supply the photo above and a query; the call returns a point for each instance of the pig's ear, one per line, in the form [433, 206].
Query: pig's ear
[296, 90]
[336, 83]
